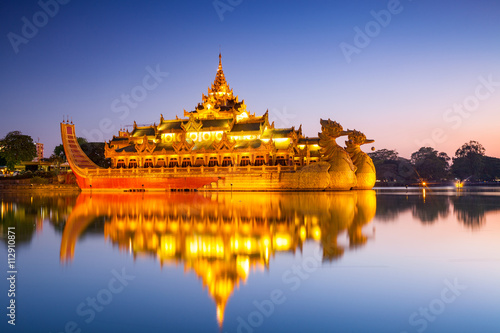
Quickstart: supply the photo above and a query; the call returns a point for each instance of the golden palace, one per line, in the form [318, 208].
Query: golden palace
[222, 146]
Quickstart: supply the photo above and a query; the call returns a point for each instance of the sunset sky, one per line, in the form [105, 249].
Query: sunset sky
[407, 73]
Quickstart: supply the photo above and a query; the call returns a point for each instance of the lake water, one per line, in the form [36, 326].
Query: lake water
[366, 261]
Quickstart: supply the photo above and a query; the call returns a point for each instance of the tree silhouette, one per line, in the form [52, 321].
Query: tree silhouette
[16, 147]
[469, 161]
[430, 164]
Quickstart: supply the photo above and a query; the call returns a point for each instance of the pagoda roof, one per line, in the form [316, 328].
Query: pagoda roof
[219, 102]
[283, 130]
[217, 123]
[247, 127]
[278, 132]
[220, 84]
[309, 141]
[138, 131]
[219, 111]
[171, 125]
[127, 149]
[119, 138]
[203, 145]
[166, 146]
[244, 144]
[230, 107]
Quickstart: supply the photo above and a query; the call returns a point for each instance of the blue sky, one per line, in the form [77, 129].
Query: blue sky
[425, 73]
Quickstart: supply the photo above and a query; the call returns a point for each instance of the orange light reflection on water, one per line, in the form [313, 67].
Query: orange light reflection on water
[222, 237]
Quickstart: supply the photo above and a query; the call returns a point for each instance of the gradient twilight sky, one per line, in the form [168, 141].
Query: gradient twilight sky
[420, 79]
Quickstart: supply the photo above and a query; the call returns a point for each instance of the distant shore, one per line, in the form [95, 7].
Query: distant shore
[24, 185]
[436, 184]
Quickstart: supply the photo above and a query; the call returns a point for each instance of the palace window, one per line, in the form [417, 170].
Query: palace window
[148, 163]
[213, 161]
[132, 163]
[160, 162]
[259, 160]
[199, 161]
[280, 160]
[186, 161]
[120, 164]
[227, 161]
[173, 163]
[245, 160]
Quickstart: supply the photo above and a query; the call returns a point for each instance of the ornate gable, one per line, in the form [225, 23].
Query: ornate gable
[266, 120]
[183, 145]
[145, 146]
[294, 138]
[269, 145]
[224, 143]
[108, 151]
[193, 125]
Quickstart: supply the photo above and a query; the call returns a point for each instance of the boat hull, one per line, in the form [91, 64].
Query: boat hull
[224, 179]
[143, 183]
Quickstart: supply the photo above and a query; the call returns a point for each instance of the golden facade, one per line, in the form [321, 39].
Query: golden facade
[221, 146]
[220, 131]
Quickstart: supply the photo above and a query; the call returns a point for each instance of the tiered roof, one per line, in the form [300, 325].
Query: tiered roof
[219, 111]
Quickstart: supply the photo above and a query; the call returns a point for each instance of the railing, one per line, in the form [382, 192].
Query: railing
[199, 170]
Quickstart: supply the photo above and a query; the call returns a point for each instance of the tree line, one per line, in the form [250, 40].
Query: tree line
[429, 165]
[16, 147]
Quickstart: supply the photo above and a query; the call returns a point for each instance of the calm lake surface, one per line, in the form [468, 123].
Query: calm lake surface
[366, 261]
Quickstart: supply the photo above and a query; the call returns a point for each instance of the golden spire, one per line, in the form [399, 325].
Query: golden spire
[220, 86]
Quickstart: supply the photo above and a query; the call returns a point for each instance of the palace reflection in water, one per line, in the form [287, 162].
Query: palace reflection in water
[221, 237]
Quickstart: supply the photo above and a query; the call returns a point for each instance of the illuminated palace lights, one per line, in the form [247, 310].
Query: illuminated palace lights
[220, 146]
[219, 132]
[218, 238]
